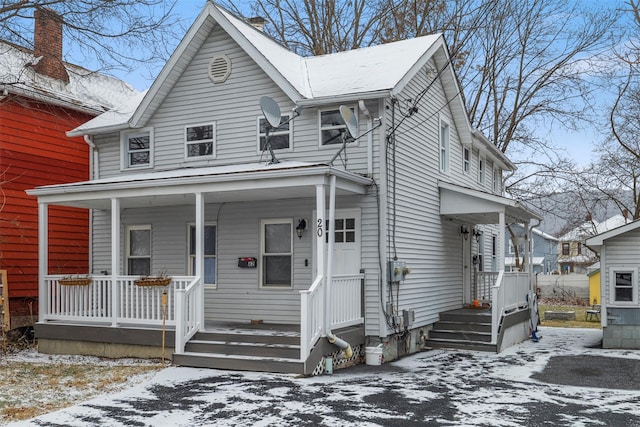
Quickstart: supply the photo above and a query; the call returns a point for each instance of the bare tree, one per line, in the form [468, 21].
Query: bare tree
[115, 34]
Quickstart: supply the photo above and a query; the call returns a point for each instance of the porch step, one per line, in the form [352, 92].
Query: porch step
[244, 351]
[468, 329]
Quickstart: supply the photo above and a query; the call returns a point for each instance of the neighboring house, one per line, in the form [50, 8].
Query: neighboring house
[619, 251]
[573, 256]
[277, 262]
[594, 283]
[543, 248]
[41, 97]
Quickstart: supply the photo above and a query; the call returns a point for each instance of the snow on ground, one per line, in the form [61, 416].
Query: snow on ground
[436, 387]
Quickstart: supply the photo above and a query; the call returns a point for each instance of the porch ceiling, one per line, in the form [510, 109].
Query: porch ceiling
[477, 207]
[234, 183]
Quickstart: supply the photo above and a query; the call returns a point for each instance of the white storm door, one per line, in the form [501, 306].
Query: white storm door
[346, 249]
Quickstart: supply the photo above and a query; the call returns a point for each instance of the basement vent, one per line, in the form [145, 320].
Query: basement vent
[219, 68]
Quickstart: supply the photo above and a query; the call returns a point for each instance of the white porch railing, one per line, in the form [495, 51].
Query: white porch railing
[483, 282]
[188, 313]
[509, 293]
[114, 300]
[346, 303]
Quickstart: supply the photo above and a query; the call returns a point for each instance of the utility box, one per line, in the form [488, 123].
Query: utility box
[397, 271]
[408, 317]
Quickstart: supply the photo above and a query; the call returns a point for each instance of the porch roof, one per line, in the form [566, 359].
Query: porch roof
[231, 183]
[478, 207]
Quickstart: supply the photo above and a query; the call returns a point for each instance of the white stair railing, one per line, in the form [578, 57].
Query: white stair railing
[188, 313]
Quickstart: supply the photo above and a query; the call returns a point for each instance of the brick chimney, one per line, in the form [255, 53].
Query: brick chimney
[47, 43]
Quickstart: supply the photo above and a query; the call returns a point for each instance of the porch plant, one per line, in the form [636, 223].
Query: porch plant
[76, 280]
[161, 279]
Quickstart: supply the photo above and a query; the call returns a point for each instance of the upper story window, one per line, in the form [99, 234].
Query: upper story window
[579, 248]
[137, 148]
[332, 126]
[565, 248]
[444, 146]
[496, 180]
[200, 141]
[482, 165]
[279, 138]
[466, 160]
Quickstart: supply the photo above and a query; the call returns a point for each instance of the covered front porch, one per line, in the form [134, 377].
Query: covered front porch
[325, 303]
[501, 299]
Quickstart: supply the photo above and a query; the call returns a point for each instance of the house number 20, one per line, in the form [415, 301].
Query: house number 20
[319, 229]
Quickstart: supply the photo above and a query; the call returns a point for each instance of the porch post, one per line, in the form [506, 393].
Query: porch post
[200, 255]
[502, 226]
[320, 229]
[115, 260]
[328, 317]
[43, 260]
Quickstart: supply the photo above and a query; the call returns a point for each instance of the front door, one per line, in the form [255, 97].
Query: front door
[346, 249]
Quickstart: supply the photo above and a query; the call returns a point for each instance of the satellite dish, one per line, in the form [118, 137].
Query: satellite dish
[350, 120]
[271, 111]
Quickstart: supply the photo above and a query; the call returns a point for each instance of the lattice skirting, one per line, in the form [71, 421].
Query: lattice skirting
[338, 363]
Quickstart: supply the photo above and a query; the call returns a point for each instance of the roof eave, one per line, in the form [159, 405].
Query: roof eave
[33, 94]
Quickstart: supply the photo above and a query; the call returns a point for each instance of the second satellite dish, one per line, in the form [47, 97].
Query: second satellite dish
[271, 111]
[350, 120]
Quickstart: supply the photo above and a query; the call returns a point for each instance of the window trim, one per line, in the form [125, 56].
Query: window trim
[466, 161]
[190, 270]
[263, 223]
[188, 143]
[444, 145]
[568, 246]
[634, 285]
[276, 133]
[128, 256]
[482, 168]
[124, 148]
[343, 126]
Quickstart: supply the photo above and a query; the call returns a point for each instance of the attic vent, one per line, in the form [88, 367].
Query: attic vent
[219, 68]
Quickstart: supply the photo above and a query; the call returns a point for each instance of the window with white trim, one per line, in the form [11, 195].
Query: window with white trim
[210, 253]
[139, 250]
[332, 126]
[466, 160]
[276, 253]
[137, 148]
[279, 138]
[624, 286]
[200, 141]
[444, 146]
[482, 165]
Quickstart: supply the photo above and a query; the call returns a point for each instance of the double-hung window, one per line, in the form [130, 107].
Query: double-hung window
[279, 138]
[624, 285]
[466, 160]
[444, 147]
[565, 248]
[200, 141]
[276, 248]
[137, 148]
[332, 127]
[139, 250]
[210, 253]
[482, 165]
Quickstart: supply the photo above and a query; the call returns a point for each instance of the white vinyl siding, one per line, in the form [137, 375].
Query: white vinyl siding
[620, 260]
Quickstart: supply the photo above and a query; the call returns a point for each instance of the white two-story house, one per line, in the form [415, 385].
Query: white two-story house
[291, 245]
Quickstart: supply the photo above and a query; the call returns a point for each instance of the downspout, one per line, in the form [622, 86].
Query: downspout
[347, 352]
[366, 112]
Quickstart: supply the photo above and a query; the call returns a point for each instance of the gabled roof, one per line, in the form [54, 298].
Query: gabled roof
[588, 229]
[596, 242]
[366, 73]
[86, 91]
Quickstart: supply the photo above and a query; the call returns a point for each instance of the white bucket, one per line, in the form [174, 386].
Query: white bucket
[373, 355]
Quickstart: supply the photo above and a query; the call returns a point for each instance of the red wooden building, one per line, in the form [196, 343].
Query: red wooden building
[42, 97]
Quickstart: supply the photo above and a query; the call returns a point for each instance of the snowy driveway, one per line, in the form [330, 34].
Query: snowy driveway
[525, 385]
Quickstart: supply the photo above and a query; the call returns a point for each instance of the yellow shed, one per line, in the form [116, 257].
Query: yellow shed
[594, 287]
